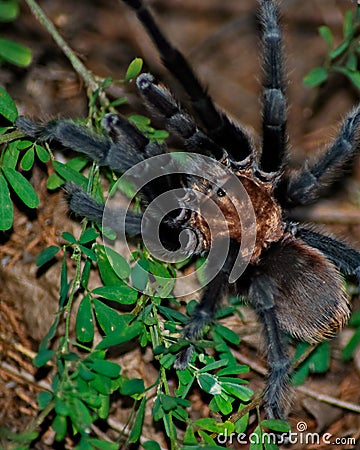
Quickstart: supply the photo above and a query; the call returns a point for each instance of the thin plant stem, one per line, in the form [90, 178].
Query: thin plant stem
[91, 81]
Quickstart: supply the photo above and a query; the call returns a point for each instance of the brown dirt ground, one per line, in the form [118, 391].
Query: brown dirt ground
[221, 40]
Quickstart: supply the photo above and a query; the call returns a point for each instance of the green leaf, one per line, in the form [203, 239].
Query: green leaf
[120, 293]
[15, 53]
[109, 319]
[108, 276]
[316, 76]
[118, 263]
[69, 174]
[88, 235]
[44, 398]
[27, 160]
[317, 362]
[133, 386]
[256, 439]
[213, 365]
[9, 10]
[69, 237]
[42, 154]
[209, 383]
[151, 445]
[99, 444]
[43, 357]
[7, 106]
[326, 33]
[242, 423]
[46, 255]
[22, 187]
[85, 321]
[121, 336]
[227, 334]
[241, 392]
[351, 346]
[11, 155]
[101, 384]
[338, 51]
[80, 415]
[233, 370]
[276, 425]
[140, 275]
[59, 425]
[223, 404]
[107, 368]
[134, 69]
[348, 25]
[135, 433]
[6, 206]
[78, 163]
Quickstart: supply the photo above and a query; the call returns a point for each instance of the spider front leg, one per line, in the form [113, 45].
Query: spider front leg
[161, 102]
[202, 316]
[215, 123]
[205, 310]
[262, 295]
[274, 100]
[124, 148]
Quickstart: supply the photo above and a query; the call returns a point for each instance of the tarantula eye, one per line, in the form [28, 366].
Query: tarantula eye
[220, 193]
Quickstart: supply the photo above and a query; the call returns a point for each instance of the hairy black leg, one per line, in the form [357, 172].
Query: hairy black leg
[274, 100]
[127, 148]
[82, 204]
[312, 181]
[345, 258]
[262, 294]
[215, 123]
[162, 103]
[205, 310]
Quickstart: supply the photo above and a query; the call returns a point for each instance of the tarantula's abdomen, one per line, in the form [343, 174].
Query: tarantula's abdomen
[311, 302]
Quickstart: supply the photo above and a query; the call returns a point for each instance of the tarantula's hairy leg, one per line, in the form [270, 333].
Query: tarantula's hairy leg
[126, 147]
[82, 204]
[262, 294]
[205, 310]
[162, 103]
[202, 316]
[307, 185]
[274, 100]
[215, 123]
[345, 258]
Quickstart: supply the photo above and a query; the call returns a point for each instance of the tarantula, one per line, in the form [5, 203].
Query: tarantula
[293, 279]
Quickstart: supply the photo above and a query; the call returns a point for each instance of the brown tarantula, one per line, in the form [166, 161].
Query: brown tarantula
[293, 279]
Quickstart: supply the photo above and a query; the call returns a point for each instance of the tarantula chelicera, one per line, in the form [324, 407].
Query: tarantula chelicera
[293, 277]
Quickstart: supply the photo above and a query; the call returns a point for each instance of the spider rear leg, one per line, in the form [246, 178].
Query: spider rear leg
[262, 292]
[274, 101]
[311, 181]
[215, 123]
[345, 258]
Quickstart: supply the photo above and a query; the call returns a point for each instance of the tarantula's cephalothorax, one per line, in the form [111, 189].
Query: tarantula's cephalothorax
[293, 279]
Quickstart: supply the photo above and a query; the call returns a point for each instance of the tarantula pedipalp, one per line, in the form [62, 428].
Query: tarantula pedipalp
[293, 279]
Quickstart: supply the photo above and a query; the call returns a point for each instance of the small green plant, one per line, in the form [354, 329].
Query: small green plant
[10, 51]
[343, 58]
[11, 176]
